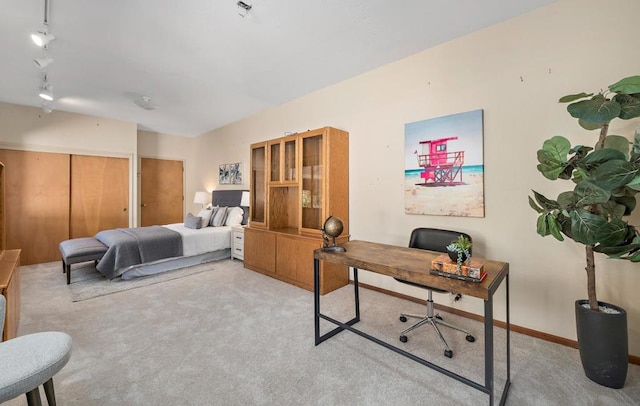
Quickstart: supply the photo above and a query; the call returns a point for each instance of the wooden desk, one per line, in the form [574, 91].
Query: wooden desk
[10, 289]
[413, 265]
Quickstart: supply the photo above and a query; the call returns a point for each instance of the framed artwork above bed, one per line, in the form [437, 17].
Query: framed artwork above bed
[231, 174]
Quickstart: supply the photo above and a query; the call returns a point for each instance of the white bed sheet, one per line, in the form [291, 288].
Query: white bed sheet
[207, 239]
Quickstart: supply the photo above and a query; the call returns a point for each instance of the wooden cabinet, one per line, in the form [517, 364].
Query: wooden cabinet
[10, 289]
[296, 183]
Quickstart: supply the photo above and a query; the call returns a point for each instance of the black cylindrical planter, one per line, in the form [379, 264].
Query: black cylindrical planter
[604, 344]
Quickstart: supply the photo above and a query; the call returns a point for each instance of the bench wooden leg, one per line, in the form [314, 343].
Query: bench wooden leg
[64, 267]
[49, 392]
[68, 274]
[33, 397]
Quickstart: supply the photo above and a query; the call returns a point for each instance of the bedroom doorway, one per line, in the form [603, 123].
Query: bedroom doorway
[161, 191]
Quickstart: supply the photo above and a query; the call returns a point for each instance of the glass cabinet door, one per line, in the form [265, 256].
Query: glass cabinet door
[290, 160]
[275, 162]
[312, 182]
[258, 184]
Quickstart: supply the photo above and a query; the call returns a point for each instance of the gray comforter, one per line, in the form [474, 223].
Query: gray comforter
[133, 246]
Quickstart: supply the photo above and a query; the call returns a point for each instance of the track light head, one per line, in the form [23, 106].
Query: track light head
[46, 91]
[42, 38]
[47, 107]
[42, 62]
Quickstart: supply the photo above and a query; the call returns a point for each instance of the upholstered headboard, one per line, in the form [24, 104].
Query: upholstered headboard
[229, 198]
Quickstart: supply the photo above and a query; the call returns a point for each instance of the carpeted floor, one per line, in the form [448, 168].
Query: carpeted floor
[231, 336]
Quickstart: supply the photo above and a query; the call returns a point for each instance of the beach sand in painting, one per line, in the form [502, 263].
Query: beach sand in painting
[461, 200]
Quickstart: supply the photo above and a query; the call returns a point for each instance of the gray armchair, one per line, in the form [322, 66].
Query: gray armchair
[30, 361]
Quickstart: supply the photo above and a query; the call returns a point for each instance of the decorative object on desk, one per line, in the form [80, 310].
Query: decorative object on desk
[444, 168]
[333, 227]
[472, 270]
[604, 182]
[459, 251]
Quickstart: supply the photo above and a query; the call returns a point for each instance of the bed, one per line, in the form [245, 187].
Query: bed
[142, 251]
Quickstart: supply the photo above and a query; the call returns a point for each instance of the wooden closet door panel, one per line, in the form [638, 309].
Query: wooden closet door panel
[99, 194]
[37, 203]
[162, 198]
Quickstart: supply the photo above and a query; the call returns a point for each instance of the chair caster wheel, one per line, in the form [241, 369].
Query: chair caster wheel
[438, 317]
[448, 353]
[403, 319]
[471, 338]
[403, 339]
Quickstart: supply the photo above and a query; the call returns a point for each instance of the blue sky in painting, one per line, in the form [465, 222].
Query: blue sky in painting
[466, 126]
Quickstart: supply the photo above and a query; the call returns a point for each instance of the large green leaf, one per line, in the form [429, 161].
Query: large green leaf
[636, 143]
[628, 85]
[629, 106]
[588, 193]
[604, 155]
[628, 202]
[618, 142]
[546, 204]
[553, 156]
[541, 225]
[573, 97]
[613, 209]
[596, 111]
[584, 226]
[554, 227]
[534, 206]
[614, 174]
[567, 199]
[612, 233]
[589, 126]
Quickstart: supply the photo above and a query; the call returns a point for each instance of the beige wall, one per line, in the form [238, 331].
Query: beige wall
[28, 128]
[515, 71]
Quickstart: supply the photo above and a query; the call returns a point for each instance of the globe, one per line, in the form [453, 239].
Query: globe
[333, 227]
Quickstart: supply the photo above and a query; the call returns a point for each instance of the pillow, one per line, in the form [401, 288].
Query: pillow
[234, 216]
[192, 221]
[205, 214]
[220, 217]
[214, 210]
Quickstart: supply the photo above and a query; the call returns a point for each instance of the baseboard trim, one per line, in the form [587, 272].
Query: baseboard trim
[518, 329]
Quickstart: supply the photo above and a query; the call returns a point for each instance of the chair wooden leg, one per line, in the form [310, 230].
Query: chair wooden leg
[68, 274]
[64, 267]
[33, 397]
[48, 391]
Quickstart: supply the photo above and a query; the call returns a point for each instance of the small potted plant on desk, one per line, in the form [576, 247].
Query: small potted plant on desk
[459, 251]
[604, 182]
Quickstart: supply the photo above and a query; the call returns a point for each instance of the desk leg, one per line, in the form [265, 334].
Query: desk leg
[488, 347]
[316, 298]
[356, 293]
[316, 305]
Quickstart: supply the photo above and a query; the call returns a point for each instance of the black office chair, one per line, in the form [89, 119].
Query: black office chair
[433, 240]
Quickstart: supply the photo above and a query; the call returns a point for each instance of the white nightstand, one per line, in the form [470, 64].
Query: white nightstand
[237, 242]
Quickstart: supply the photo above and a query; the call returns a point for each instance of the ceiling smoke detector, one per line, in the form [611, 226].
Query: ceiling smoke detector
[145, 102]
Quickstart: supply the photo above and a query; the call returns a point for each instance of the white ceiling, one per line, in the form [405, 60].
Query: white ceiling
[204, 65]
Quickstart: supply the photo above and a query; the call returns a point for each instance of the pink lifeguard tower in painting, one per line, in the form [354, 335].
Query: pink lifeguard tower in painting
[441, 167]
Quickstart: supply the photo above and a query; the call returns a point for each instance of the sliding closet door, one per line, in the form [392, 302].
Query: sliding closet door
[161, 192]
[99, 194]
[37, 203]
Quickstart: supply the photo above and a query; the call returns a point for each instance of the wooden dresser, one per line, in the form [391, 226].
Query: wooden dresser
[10, 289]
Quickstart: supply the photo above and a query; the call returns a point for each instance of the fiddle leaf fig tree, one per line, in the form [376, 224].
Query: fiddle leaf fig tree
[605, 179]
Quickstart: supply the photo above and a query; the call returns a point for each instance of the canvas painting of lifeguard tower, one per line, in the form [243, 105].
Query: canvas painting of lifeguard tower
[444, 168]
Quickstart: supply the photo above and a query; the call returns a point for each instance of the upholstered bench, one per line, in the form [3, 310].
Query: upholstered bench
[80, 250]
